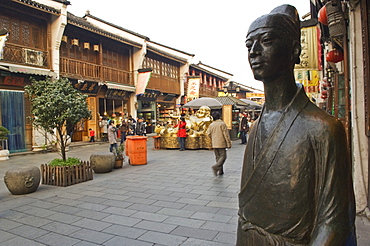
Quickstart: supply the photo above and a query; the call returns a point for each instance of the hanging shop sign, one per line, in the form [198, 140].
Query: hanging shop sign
[149, 95]
[310, 57]
[14, 81]
[143, 78]
[117, 94]
[86, 86]
[193, 88]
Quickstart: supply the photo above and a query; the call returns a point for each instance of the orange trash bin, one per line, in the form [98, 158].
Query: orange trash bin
[136, 150]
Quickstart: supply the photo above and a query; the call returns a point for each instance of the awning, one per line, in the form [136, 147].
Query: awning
[118, 86]
[28, 70]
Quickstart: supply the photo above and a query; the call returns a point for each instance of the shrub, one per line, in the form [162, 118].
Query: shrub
[70, 161]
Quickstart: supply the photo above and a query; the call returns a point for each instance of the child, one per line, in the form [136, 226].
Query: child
[92, 135]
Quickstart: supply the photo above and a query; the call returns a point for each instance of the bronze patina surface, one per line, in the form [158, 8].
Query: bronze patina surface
[296, 185]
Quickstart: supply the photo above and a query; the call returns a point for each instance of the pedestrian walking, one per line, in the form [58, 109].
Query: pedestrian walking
[243, 128]
[140, 127]
[92, 135]
[123, 129]
[220, 137]
[112, 136]
[181, 133]
[104, 128]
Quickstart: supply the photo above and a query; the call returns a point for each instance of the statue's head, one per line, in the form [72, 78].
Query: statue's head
[203, 111]
[273, 42]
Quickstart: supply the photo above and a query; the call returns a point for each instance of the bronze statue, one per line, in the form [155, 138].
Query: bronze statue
[296, 186]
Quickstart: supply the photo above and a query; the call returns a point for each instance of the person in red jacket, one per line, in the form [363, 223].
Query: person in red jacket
[181, 133]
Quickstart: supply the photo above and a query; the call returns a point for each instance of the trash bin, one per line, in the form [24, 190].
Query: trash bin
[136, 150]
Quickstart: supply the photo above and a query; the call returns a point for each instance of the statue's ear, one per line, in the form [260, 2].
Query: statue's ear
[296, 52]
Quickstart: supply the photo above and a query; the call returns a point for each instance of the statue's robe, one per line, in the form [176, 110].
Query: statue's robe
[296, 186]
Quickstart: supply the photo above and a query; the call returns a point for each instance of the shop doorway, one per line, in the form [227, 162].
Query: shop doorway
[13, 118]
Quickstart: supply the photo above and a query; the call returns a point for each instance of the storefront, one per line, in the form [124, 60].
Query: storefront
[147, 108]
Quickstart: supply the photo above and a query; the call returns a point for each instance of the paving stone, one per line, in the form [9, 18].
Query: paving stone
[224, 237]
[155, 226]
[4, 236]
[121, 220]
[92, 206]
[222, 227]
[92, 236]
[27, 231]
[185, 222]
[162, 238]
[150, 216]
[92, 224]
[176, 212]
[116, 203]
[19, 241]
[57, 239]
[121, 241]
[144, 208]
[6, 224]
[125, 231]
[65, 218]
[195, 233]
[61, 228]
[194, 241]
[211, 217]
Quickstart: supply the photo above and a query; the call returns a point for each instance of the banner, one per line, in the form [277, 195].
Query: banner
[2, 44]
[193, 88]
[310, 49]
[143, 78]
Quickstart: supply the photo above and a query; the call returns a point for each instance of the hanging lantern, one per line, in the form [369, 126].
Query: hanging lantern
[334, 56]
[114, 115]
[322, 16]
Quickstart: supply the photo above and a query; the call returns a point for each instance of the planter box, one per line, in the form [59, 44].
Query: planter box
[66, 175]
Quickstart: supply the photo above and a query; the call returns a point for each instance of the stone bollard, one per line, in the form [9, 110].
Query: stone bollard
[102, 162]
[22, 180]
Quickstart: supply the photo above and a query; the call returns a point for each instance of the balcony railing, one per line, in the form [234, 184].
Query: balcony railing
[24, 55]
[85, 70]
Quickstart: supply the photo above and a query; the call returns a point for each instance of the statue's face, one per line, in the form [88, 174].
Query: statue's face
[269, 53]
[202, 112]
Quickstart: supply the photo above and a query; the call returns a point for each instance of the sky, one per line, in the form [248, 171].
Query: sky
[213, 30]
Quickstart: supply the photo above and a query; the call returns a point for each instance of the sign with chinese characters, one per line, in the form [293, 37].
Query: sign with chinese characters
[86, 86]
[193, 88]
[15, 81]
[227, 113]
[149, 95]
[117, 94]
[309, 58]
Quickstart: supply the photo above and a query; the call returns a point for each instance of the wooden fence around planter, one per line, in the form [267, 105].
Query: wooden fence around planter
[66, 175]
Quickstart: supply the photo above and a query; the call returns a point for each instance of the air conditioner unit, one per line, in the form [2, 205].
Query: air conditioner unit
[33, 57]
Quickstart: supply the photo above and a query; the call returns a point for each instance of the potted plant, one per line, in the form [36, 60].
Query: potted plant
[3, 136]
[4, 153]
[119, 155]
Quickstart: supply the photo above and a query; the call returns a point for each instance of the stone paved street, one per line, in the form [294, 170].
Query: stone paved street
[173, 200]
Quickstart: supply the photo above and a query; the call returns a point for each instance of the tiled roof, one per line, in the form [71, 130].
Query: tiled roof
[40, 6]
[168, 55]
[231, 101]
[114, 25]
[206, 71]
[82, 23]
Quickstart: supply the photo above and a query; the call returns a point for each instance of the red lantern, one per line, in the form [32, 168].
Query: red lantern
[114, 115]
[334, 56]
[324, 94]
[322, 16]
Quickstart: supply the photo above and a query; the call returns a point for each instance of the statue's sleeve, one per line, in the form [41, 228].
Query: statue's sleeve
[335, 213]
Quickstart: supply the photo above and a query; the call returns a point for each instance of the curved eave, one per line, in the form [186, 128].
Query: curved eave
[208, 72]
[39, 6]
[72, 20]
[167, 55]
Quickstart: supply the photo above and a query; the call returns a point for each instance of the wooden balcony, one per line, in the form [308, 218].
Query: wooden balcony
[94, 72]
[18, 54]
